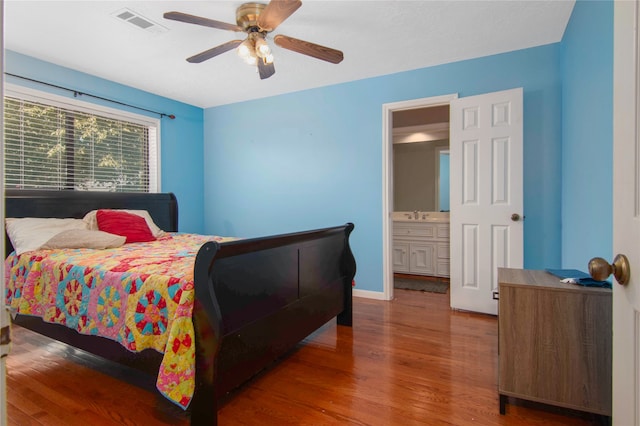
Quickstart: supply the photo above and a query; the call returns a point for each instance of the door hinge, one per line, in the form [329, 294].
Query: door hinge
[5, 339]
[5, 332]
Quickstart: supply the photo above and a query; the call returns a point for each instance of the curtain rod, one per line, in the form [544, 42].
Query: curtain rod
[77, 93]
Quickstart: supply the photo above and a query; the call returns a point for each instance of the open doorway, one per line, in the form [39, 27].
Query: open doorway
[420, 247]
[417, 127]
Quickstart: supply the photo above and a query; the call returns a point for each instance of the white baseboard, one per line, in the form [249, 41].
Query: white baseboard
[368, 294]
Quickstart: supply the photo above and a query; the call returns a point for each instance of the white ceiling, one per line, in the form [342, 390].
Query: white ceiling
[377, 38]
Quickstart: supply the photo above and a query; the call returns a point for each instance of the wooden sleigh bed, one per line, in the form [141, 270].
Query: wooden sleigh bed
[255, 299]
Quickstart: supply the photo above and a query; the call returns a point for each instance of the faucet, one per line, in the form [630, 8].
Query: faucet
[415, 214]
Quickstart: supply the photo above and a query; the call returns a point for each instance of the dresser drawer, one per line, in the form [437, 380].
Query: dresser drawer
[442, 231]
[442, 268]
[421, 230]
[443, 251]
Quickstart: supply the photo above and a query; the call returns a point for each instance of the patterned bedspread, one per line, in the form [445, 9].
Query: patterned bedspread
[140, 295]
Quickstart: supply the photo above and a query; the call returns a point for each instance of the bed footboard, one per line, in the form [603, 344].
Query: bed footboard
[257, 298]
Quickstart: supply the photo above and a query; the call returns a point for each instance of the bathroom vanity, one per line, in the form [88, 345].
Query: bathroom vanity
[421, 243]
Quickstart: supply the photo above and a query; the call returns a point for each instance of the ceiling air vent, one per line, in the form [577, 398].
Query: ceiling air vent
[138, 21]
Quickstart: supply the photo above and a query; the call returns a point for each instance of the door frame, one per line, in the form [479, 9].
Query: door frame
[387, 179]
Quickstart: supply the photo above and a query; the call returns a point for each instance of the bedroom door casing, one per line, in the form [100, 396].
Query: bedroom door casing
[388, 256]
[486, 201]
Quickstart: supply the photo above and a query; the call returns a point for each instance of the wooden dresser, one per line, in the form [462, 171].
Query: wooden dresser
[554, 341]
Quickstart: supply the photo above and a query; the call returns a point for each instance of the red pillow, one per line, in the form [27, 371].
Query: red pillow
[125, 224]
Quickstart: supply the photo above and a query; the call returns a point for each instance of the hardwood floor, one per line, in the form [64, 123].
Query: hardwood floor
[412, 361]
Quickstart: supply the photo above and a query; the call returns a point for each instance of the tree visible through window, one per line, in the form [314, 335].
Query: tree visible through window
[49, 147]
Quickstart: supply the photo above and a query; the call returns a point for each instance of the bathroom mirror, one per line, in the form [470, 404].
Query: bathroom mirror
[442, 183]
[421, 176]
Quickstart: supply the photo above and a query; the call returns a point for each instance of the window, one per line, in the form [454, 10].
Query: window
[60, 143]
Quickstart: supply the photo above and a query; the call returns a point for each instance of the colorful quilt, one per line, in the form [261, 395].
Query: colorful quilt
[140, 295]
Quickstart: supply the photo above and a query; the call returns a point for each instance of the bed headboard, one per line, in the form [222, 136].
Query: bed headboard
[162, 207]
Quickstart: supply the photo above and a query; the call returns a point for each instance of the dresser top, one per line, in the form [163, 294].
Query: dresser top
[541, 279]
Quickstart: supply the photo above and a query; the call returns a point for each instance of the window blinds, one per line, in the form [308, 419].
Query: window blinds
[48, 146]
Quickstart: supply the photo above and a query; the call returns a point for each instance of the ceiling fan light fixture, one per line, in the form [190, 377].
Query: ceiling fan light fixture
[262, 48]
[254, 49]
[252, 60]
[245, 49]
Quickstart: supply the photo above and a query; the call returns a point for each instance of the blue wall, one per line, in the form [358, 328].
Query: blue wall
[181, 151]
[587, 134]
[314, 158]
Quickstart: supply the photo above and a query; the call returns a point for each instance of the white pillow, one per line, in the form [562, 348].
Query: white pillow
[30, 233]
[92, 222]
[84, 238]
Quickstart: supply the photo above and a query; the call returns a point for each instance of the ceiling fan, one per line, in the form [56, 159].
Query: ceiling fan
[258, 20]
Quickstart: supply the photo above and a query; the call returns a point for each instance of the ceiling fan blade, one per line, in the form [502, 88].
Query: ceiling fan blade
[192, 19]
[310, 49]
[208, 54]
[276, 12]
[265, 70]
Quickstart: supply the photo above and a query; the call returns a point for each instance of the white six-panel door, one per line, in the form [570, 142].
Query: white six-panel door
[4, 317]
[486, 194]
[626, 213]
